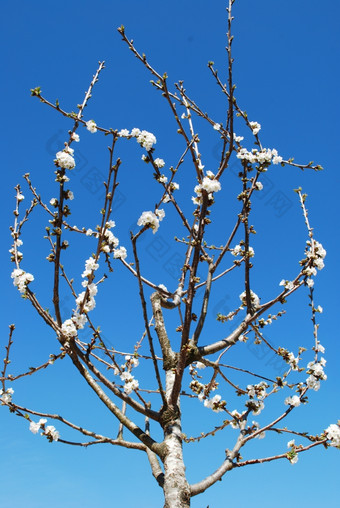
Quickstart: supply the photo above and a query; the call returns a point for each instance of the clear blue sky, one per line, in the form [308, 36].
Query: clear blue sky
[287, 76]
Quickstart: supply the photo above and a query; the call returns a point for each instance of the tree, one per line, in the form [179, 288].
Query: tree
[174, 345]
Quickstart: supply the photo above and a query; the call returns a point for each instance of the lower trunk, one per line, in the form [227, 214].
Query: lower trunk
[176, 488]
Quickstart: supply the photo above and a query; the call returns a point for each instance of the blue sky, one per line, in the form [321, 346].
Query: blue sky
[288, 80]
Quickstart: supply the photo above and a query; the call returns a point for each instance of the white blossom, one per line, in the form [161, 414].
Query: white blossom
[319, 348]
[68, 150]
[123, 133]
[258, 186]
[120, 253]
[75, 137]
[50, 431]
[255, 301]
[210, 184]
[20, 196]
[200, 365]
[79, 320]
[149, 219]
[217, 126]
[159, 163]
[69, 195]
[163, 179]
[294, 459]
[238, 139]
[35, 426]
[291, 443]
[130, 386]
[234, 423]
[65, 160]
[293, 401]
[333, 433]
[90, 266]
[288, 285]
[146, 140]
[91, 126]
[6, 397]
[135, 132]
[69, 328]
[255, 127]
[160, 213]
[313, 383]
[215, 403]
[21, 279]
[277, 159]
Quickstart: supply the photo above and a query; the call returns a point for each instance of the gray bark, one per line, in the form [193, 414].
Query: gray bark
[176, 488]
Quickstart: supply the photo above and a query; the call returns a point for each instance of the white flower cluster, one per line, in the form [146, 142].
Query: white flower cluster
[49, 431]
[259, 391]
[130, 382]
[293, 401]
[144, 138]
[234, 423]
[69, 328]
[240, 251]
[159, 163]
[120, 253]
[90, 266]
[317, 374]
[6, 397]
[172, 187]
[209, 184]
[292, 456]
[333, 433]
[110, 241]
[35, 426]
[75, 137]
[77, 322]
[315, 255]
[215, 403]
[91, 126]
[151, 219]
[90, 303]
[288, 285]
[21, 279]
[17, 243]
[292, 361]
[200, 365]
[255, 406]
[319, 348]
[64, 158]
[255, 127]
[289, 358]
[255, 300]
[238, 139]
[264, 156]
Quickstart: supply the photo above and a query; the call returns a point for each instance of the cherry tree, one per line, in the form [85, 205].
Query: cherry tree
[175, 366]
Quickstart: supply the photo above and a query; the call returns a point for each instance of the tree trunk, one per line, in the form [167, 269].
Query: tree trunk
[176, 488]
